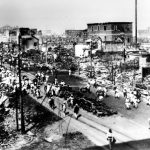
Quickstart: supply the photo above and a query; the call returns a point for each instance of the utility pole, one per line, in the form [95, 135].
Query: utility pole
[91, 57]
[136, 23]
[79, 66]
[134, 75]
[16, 105]
[121, 75]
[20, 87]
[112, 73]
[2, 54]
[46, 53]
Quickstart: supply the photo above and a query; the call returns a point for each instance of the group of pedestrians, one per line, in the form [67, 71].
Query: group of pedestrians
[33, 87]
[132, 98]
[40, 79]
[101, 93]
[52, 90]
[7, 86]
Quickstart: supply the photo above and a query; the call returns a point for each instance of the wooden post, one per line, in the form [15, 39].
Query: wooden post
[136, 23]
[20, 88]
[112, 73]
[16, 105]
[2, 55]
[91, 57]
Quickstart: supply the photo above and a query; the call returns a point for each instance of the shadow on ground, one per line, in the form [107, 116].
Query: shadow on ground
[36, 115]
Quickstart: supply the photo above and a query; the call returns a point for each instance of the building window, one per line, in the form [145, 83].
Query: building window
[95, 28]
[115, 27]
[104, 27]
[91, 28]
[35, 44]
[98, 28]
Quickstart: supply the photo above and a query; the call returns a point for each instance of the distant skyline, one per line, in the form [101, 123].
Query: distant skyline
[58, 15]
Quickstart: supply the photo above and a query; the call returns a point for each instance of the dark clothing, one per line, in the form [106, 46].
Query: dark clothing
[125, 94]
[51, 103]
[76, 109]
[35, 81]
[28, 86]
[44, 78]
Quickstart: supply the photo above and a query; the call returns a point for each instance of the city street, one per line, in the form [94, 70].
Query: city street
[74, 75]
[129, 126]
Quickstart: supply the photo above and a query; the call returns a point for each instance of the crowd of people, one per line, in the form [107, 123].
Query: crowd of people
[10, 83]
[132, 97]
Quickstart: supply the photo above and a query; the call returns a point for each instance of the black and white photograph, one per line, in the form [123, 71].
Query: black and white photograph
[74, 74]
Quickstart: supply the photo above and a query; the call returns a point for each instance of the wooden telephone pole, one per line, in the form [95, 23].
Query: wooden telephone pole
[2, 54]
[20, 87]
[136, 23]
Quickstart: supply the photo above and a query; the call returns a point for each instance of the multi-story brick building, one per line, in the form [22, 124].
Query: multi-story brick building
[111, 32]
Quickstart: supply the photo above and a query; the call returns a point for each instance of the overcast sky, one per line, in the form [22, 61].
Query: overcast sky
[58, 15]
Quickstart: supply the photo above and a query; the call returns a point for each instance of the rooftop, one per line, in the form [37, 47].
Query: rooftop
[108, 23]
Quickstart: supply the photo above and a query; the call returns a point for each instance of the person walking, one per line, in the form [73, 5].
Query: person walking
[69, 72]
[127, 103]
[88, 87]
[148, 99]
[52, 103]
[38, 93]
[56, 81]
[64, 107]
[46, 78]
[116, 93]
[110, 138]
[125, 93]
[76, 111]
[138, 96]
[134, 100]
[70, 101]
[48, 87]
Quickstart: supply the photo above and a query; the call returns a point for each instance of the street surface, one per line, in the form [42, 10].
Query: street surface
[130, 127]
